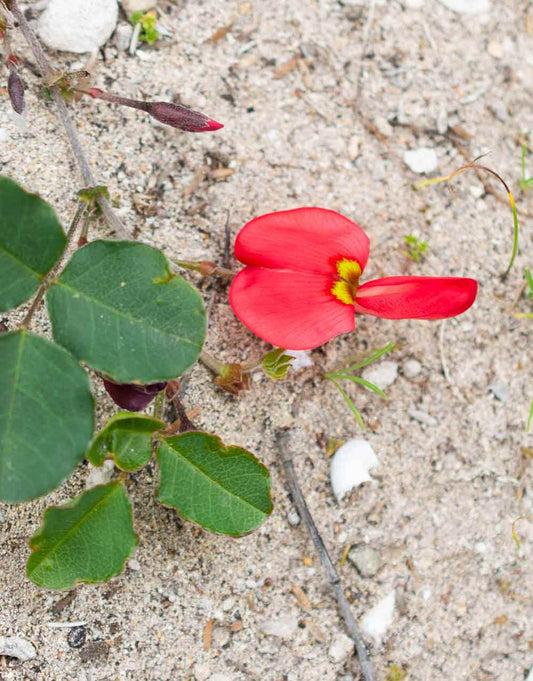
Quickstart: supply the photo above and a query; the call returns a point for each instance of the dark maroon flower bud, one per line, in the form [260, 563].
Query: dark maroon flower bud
[131, 396]
[170, 114]
[15, 86]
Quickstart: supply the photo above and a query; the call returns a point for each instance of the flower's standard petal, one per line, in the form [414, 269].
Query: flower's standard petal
[302, 240]
[416, 297]
[293, 310]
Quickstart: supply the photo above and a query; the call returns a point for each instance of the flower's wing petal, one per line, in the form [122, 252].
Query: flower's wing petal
[293, 310]
[302, 240]
[416, 297]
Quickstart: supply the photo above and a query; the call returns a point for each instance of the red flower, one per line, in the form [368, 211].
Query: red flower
[300, 286]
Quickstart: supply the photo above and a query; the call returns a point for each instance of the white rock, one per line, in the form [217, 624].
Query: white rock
[422, 417]
[377, 620]
[366, 559]
[350, 465]
[421, 160]
[77, 25]
[132, 6]
[467, 6]
[500, 390]
[283, 627]
[13, 646]
[134, 564]
[341, 647]
[100, 475]
[122, 37]
[302, 359]
[382, 375]
[353, 147]
[412, 368]
[293, 518]
[202, 671]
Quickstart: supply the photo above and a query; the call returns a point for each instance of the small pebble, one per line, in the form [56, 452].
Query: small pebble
[221, 637]
[499, 390]
[421, 160]
[353, 147]
[341, 647]
[76, 637]
[134, 564]
[283, 627]
[3, 517]
[100, 475]
[13, 646]
[383, 126]
[366, 560]
[122, 37]
[411, 368]
[293, 518]
[376, 621]
[382, 375]
[422, 417]
[228, 604]
[132, 6]
[302, 359]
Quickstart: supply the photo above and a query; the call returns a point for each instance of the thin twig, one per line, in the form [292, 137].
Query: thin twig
[282, 438]
[48, 73]
[45, 283]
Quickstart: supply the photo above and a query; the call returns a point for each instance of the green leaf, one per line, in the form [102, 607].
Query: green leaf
[126, 438]
[46, 415]
[87, 539]
[118, 308]
[276, 364]
[224, 489]
[31, 242]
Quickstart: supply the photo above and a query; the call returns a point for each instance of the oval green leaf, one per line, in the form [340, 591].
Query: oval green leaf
[118, 307]
[46, 415]
[224, 489]
[88, 539]
[31, 242]
[126, 438]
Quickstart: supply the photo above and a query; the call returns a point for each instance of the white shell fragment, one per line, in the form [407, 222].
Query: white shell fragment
[350, 465]
[13, 646]
[302, 359]
[421, 160]
[78, 25]
[377, 620]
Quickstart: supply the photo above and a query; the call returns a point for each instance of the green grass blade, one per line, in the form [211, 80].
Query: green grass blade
[530, 419]
[348, 401]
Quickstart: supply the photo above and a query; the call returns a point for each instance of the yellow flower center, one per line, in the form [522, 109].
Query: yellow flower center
[348, 273]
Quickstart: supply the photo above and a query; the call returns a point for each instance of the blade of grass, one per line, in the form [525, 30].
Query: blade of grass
[373, 357]
[360, 381]
[530, 418]
[348, 401]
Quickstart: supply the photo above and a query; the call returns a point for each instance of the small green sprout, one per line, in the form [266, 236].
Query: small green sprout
[345, 374]
[529, 280]
[148, 21]
[416, 247]
[395, 673]
[525, 183]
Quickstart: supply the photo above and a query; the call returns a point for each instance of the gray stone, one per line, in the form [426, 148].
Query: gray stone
[421, 160]
[499, 390]
[293, 518]
[122, 37]
[382, 375]
[134, 564]
[412, 368]
[366, 560]
[13, 646]
[341, 648]
[132, 6]
[77, 25]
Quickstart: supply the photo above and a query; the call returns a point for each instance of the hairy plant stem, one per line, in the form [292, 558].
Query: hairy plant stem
[282, 438]
[49, 74]
[78, 215]
[217, 367]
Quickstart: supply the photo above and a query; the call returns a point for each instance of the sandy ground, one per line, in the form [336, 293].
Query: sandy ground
[313, 132]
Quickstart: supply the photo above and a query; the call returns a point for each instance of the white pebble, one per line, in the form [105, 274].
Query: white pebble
[350, 465]
[302, 359]
[134, 564]
[421, 160]
[100, 475]
[377, 620]
[382, 375]
[341, 647]
[293, 518]
[13, 646]
[467, 6]
[500, 390]
[282, 627]
[132, 6]
[353, 147]
[4, 136]
[422, 417]
[122, 37]
[77, 25]
[412, 368]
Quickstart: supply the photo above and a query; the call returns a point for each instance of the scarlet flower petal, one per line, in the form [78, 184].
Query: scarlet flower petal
[293, 310]
[301, 240]
[416, 297]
